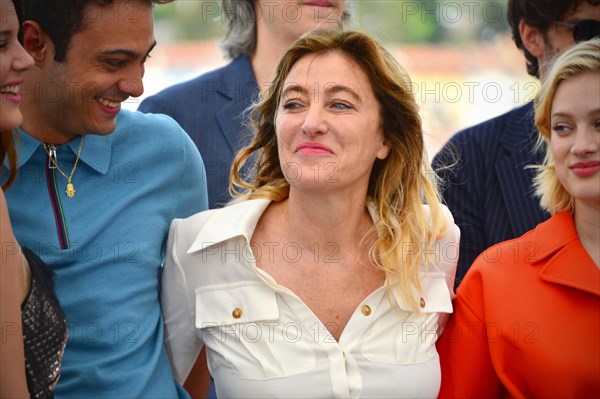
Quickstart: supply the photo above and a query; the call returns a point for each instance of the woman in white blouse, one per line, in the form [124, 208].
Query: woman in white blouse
[328, 276]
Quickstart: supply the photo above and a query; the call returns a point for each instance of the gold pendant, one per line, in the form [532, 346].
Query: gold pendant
[70, 190]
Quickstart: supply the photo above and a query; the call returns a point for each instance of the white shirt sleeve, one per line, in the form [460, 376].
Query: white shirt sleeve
[181, 341]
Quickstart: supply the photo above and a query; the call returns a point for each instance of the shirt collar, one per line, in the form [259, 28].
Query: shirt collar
[568, 263]
[95, 153]
[232, 221]
[240, 220]
[237, 220]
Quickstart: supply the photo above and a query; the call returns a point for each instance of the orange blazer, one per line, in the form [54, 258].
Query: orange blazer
[526, 320]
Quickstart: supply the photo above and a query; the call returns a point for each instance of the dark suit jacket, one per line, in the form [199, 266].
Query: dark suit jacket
[486, 184]
[211, 109]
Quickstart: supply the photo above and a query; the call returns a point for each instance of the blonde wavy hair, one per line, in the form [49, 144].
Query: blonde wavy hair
[398, 185]
[579, 59]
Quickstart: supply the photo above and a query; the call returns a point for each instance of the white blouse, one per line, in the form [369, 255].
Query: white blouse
[263, 341]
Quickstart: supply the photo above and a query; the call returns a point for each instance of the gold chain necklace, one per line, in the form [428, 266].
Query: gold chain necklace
[51, 151]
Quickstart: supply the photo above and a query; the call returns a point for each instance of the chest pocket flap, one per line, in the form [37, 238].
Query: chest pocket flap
[243, 302]
[436, 297]
[239, 324]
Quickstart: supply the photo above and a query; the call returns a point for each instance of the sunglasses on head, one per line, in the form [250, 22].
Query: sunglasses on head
[583, 30]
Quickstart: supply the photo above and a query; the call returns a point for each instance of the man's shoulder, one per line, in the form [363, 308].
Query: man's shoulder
[487, 138]
[192, 85]
[485, 142]
[135, 121]
[520, 119]
[151, 130]
[159, 147]
[205, 81]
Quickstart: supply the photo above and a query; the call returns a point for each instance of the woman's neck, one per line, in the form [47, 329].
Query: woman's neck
[314, 218]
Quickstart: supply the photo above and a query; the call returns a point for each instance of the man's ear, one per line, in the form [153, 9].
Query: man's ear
[532, 38]
[37, 42]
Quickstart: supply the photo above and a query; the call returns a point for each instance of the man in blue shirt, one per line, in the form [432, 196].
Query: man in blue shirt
[97, 189]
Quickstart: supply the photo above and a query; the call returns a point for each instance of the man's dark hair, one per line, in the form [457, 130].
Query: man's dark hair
[61, 19]
[540, 14]
[19, 9]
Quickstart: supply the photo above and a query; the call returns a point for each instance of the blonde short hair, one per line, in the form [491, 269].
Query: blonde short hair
[579, 59]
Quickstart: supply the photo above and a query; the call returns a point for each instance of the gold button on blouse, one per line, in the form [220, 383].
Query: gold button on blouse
[422, 303]
[366, 310]
[237, 313]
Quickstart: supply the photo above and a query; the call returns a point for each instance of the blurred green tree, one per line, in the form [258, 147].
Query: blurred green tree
[401, 21]
[432, 21]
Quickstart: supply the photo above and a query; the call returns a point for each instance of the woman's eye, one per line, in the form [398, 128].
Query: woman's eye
[560, 128]
[340, 105]
[291, 105]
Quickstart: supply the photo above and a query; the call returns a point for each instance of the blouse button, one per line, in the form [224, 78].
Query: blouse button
[366, 310]
[237, 313]
[422, 302]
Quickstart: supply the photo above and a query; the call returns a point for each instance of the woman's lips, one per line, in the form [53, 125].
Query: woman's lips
[313, 149]
[584, 169]
[10, 91]
[319, 3]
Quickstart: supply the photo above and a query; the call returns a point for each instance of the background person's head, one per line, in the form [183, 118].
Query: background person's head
[538, 28]
[14, 61]
[285, 19]
[568, 118]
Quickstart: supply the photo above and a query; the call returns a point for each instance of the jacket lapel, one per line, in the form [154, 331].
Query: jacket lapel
[573, 267]
[230, 119]
[567, 262]
[517, 190]
[239, 87]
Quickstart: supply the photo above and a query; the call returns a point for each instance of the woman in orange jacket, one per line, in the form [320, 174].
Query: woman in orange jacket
[527, 315]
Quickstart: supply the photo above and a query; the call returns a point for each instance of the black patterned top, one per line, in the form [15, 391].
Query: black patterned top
[44, 330]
